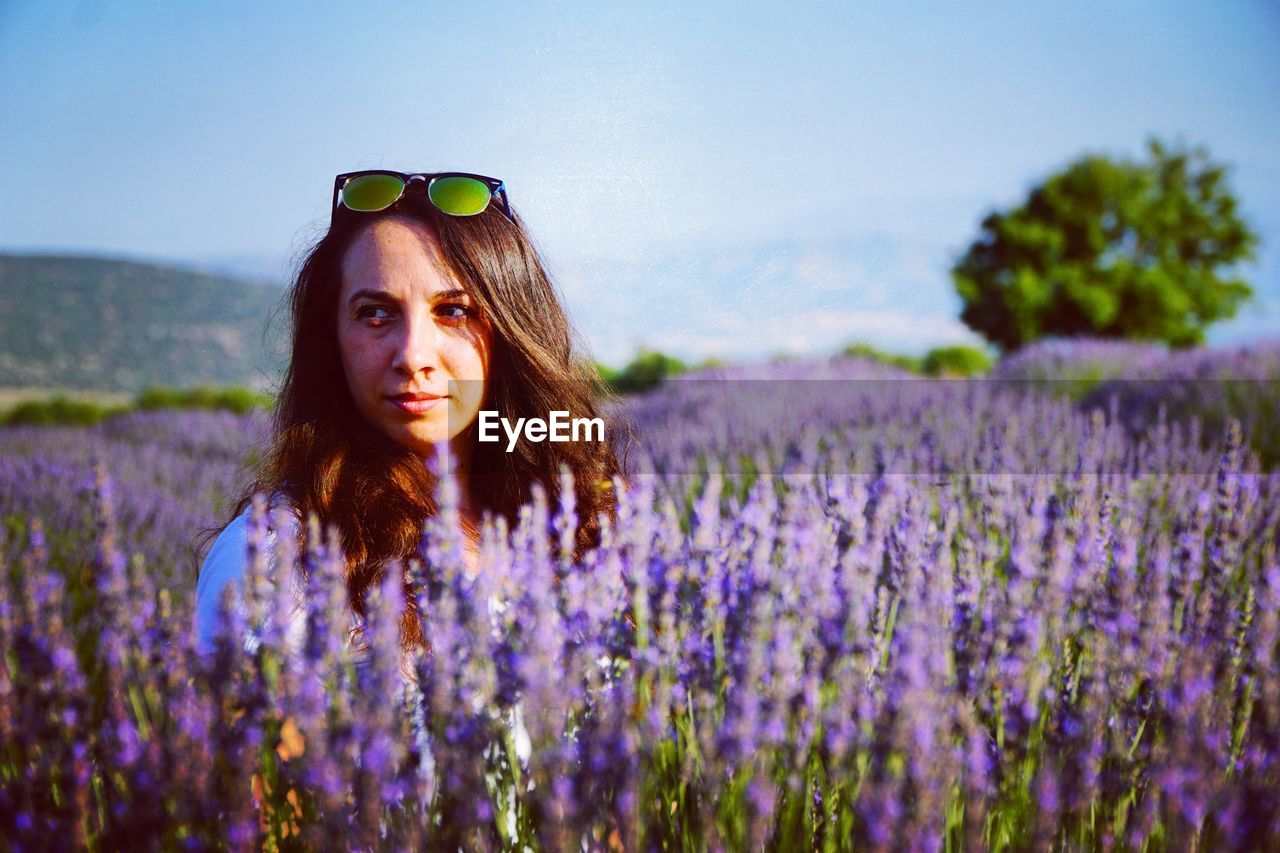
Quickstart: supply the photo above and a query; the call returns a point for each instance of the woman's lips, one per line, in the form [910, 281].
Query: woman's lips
[417, 406]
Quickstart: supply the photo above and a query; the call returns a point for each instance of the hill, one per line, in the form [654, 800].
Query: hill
[114, 325]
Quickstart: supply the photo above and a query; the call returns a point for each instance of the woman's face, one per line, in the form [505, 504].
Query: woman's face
[407, 327]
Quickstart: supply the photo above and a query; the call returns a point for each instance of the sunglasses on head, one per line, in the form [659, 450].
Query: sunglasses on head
[454, 193]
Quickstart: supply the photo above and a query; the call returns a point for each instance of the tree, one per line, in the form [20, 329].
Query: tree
[955, 361]
[646, 370]
[1110, 249]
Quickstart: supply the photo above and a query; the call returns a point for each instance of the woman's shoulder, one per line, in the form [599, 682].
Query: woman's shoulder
[227, 561]
[281, 512]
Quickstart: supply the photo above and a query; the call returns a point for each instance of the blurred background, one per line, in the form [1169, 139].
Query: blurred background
[711, 182]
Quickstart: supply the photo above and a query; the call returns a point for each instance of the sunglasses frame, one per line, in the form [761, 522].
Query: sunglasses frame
[495, 185]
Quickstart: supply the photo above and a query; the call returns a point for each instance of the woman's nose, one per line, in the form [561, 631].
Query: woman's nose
[417, 346]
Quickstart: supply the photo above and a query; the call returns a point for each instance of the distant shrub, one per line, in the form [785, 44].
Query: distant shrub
[60, 410]
[65, 411]
[159, 398]
[233, 399]
[956, 361]
[868, 352]
[242, 400]
[646, 370]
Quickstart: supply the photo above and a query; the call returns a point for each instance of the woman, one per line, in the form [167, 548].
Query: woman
[422, 306]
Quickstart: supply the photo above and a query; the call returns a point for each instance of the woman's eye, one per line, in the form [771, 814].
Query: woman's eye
[463, 312]
[365, 312]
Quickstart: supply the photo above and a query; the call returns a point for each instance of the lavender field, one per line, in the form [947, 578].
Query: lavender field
[842, 608]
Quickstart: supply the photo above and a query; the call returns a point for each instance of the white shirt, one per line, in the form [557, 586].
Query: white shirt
[226, 563]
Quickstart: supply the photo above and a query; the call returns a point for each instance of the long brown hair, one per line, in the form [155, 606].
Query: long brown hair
[328, 460]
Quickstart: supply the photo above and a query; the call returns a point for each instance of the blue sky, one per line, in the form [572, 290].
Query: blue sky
[734, 179]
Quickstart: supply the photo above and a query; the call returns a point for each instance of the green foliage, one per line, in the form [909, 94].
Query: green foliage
[866, 351]
[646, 370]
[160, 398]
[238, 400]
[64, 411]
[59, 410]
[956, 361]
[1110, 249]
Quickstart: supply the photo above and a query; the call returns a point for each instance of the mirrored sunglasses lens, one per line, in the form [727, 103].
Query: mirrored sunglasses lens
[372, 192]
[460, 196]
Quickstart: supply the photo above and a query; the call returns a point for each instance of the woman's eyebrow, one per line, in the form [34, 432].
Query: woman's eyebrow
[456, 293]
[367, 293]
